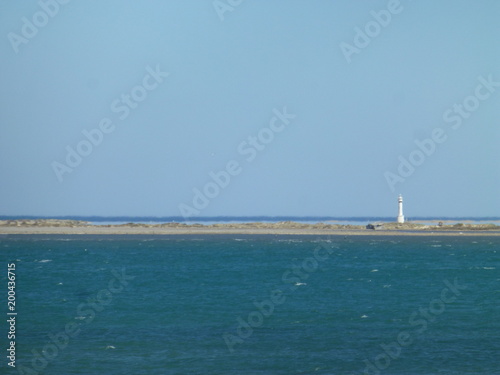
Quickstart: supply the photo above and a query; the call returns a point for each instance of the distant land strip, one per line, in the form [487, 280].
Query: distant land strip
[56, 226]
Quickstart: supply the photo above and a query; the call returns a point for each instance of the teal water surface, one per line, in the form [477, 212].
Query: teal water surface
[253, 305]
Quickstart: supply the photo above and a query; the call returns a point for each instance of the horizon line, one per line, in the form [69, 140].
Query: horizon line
[235, 217]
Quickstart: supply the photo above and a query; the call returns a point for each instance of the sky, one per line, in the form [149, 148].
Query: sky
[242, 108]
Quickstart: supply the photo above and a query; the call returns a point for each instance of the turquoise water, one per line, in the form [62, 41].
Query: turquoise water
[254, 305]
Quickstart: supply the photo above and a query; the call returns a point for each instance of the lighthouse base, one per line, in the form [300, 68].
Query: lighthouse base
[401, 219]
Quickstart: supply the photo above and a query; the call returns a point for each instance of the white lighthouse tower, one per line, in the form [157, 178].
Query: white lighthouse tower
[401, 217]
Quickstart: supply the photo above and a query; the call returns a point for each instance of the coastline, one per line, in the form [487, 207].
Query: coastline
[71, 227]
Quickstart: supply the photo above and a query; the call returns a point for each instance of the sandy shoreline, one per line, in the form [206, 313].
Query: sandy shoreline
[68, 227]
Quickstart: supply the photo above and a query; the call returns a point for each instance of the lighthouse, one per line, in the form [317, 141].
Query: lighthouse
[401, 217]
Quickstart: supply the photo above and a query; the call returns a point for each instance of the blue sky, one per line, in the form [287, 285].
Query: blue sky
[181, 86]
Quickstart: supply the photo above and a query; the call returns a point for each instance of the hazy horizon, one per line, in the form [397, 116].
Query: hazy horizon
[259, 217]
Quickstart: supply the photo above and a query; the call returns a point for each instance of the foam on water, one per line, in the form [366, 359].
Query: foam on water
[331, 313]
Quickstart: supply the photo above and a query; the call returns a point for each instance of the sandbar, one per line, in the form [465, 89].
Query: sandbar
[73, 227]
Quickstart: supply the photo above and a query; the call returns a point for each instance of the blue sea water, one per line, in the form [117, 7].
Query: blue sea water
[207, 220]
[253, 304]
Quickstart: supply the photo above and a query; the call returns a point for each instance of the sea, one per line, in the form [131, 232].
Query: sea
[250, 304]
[208, 220]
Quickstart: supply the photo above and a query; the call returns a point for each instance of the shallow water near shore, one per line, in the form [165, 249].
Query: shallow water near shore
[255, 304]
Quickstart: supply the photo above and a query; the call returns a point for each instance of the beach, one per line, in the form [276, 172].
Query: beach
[74, 227]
